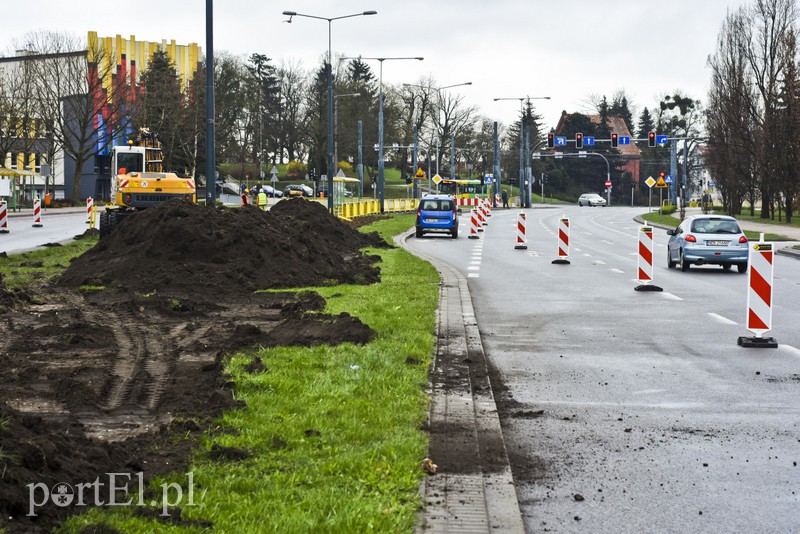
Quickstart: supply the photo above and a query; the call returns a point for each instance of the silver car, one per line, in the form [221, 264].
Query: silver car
[708, 239]
[591, 199]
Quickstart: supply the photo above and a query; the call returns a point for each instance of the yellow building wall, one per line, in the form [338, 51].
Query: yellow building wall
[138, 53]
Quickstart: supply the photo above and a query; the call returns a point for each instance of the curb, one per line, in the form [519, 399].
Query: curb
[474, 492]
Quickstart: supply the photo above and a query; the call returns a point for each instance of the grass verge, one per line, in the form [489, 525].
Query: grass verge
[334, 433]
[20, 270]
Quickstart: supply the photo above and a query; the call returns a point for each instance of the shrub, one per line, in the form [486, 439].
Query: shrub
[296, 168]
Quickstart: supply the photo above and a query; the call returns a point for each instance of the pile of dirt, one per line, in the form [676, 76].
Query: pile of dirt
[127, 379]
[179, 246]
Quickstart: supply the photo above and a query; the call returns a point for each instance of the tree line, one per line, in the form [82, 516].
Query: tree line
[270, 112]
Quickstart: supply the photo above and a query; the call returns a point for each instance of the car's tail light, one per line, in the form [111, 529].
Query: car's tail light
[743, 239]
[690, 238]
[455, 214]
[419, 209]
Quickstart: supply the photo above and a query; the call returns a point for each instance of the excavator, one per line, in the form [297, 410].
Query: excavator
[139, 182]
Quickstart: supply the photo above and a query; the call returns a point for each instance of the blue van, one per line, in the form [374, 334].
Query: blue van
[437, 213]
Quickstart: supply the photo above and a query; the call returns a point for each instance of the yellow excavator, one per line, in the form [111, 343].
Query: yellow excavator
[138, 180]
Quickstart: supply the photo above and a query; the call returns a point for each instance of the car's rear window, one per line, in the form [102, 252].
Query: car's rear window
[437, 205]
[715, 226]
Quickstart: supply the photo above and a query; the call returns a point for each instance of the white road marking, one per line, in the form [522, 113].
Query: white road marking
[474, 268]
[576, 249]
[618, 271]
[606, 241]
[791, 349]
[720, 318]
[598, 262]
[670, 296]
[473, 275]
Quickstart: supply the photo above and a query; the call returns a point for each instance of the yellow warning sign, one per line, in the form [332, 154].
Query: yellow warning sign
[762, 247]
[420, 174]
[661, 184]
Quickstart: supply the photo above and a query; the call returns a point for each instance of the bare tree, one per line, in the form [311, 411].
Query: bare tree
[79, 94]
[292, 80]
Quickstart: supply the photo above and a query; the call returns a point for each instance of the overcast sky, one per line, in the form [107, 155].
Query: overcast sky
[569, 50]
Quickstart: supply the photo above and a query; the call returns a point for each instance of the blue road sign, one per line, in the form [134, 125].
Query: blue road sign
[661, 139]
[489, 180]
[561, 141]
[624, 140]
[668, 178]
[588, 140]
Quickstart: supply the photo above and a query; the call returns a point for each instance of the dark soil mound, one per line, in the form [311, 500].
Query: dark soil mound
[179, 247]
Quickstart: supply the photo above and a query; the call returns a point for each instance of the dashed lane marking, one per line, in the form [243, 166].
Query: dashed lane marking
[473, 275]
[669, 296]
[790, 349]
[618, 271]
[721, 319]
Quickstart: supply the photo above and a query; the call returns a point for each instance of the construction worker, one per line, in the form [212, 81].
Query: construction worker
[245, 197]
[262, 200]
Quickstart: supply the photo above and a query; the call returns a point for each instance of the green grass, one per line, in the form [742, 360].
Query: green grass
[334, 432]
[20, 270]
[745, 216]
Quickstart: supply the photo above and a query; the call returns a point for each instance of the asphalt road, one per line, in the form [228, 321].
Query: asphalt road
[632, 411]
[58, 226]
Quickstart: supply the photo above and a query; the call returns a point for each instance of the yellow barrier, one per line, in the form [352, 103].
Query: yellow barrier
[360, 208]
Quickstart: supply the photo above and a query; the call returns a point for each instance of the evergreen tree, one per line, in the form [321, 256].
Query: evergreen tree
[646, 124]
[162, 105]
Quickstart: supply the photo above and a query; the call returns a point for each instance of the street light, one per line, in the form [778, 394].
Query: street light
[329, 76]
[523, 191]
[336, 125]
[380, 117]
[439, 91]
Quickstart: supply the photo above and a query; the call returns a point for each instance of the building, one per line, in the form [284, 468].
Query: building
[630, 152]
[108, 65]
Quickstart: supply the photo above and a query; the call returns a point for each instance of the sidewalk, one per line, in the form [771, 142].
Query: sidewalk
[473, 490]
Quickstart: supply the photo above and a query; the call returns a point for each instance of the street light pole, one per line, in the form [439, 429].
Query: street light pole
[329, 76]
[336, 125]
[452, 143]
[380, 119]
[524, 198]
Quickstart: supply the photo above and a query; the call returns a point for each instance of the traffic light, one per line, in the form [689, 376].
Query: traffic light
[551, 140]
[651, 139]
[578, 140]
[614, 140]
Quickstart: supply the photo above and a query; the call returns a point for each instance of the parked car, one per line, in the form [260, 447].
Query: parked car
[298, 190]
[272, 192]
[591, 199]
[708, 239]
[268, 190]
[437, 213]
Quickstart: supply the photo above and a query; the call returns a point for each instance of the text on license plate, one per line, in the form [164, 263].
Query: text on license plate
[432, 221]
[717, 243]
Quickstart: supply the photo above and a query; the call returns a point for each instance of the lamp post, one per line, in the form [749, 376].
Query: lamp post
[329, 76]
[380, 118]
[439, 92]
[336, 125]
[524, 198]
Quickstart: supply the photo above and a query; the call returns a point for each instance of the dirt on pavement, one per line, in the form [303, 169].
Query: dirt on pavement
[117, 365]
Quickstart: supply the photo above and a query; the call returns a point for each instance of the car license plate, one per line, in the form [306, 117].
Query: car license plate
[717, 243]
[431, 221]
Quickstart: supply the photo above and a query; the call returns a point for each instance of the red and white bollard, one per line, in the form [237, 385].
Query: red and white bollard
[521, 242]
[482, 214]
[488, 203]
[37, 213]
[563, 241]
[645, 267]
[481, 217]
[473, 228]
[89, 206]
[3, 217]
[759, 295]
